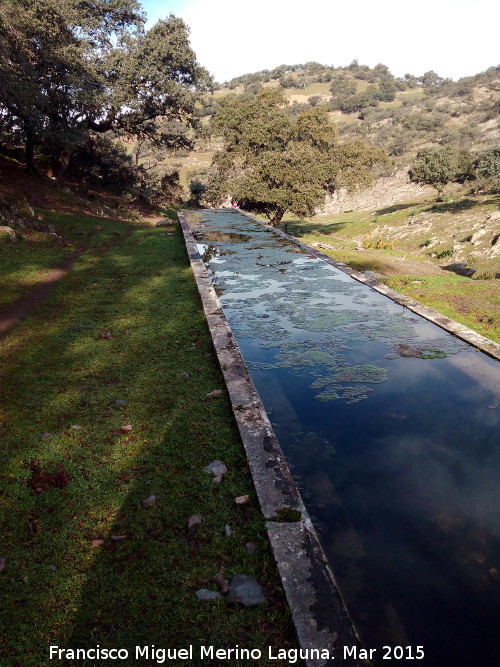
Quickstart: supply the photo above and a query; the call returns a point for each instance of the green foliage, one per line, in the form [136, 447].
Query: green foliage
[70, 67]
[439, 166]
[274, 161]
[197, 184]
[314, 100]
[103, 161]
[487, 166]
[444, 253]
[288, 82]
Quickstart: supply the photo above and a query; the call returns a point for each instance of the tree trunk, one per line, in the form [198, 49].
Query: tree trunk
[278, 216]
[29, 149]
[60, 163]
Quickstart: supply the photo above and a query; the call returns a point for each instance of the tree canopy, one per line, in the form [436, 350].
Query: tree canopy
[273, 161]
[438, 166]
[70, 67]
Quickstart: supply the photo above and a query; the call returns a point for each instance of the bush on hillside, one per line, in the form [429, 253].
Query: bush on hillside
[487, 168]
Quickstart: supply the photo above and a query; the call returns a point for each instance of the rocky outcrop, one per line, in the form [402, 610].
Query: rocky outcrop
[385, 192]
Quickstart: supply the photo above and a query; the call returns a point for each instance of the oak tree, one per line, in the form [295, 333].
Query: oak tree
[273, 161]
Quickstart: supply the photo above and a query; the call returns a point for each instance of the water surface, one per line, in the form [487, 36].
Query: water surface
[391, 426]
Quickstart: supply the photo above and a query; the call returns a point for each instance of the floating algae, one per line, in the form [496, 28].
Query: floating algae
[330, 394]
[362, 373]
[435, 348]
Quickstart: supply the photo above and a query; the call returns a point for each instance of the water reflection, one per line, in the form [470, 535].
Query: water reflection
[390, 423]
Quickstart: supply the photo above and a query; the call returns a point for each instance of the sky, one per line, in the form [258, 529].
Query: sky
[455, 38]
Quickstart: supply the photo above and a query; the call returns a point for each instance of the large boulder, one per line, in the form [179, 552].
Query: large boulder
[7, 233]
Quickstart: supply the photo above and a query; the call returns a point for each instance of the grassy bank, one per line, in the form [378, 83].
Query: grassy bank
[85, 563]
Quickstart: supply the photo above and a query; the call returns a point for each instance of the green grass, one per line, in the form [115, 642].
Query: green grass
[475, 303]
[57, 371]
[21, 267]
[311, 89]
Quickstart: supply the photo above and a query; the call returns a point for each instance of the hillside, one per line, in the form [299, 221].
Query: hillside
[402, 115]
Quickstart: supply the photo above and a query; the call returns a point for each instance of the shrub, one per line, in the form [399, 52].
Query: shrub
[487, 167]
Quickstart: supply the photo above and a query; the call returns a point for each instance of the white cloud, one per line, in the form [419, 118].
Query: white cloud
[453, 37]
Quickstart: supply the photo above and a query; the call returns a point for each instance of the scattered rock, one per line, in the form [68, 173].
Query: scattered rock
[148, 502]
[119, 401]
[221, 582]
[208, 596]
[492, 407]
[217, 479]
[494, 574]
[477, 235]
[245, 590]
[251, 547]
[325, 246]
[8, 233]
[185, 374]
[194, 522]
[118, 538]
[2, 564]
[215, 393]
[163, 223]
[227, 531]
[96, 543]
[46, 435]
[216, 468]
[126, 429]
[76, 427]
[241, 500]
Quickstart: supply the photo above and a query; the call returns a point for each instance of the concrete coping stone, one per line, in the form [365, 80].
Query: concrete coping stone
[318, 611]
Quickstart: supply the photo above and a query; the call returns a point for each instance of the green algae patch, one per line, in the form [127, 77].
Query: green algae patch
[328, 395]
[433, 354]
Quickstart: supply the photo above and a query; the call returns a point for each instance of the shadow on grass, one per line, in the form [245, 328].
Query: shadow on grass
[397, 207]
[301, 227]
[60, 586]
[461, 205]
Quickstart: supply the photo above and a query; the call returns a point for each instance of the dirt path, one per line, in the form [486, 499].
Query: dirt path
[12, 313]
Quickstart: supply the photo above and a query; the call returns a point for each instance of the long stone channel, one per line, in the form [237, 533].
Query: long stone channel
[389, 424]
